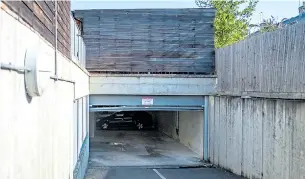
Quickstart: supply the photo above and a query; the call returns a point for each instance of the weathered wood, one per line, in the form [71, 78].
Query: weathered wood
[66, 11]
[63, 20]
[21, 9]
[51, 5]
[46, 10]
[149, 40]
[39, 13]
[41, 16]
[270, 64]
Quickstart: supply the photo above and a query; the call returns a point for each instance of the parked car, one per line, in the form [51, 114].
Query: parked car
[139, 120]
[143, 120]
[115, 120]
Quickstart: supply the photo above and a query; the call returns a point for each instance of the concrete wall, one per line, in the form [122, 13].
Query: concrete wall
[152, 85]
[37, 135]
[189, 125]
[191, 130]
[166, 122]
[92, 124]
[258, 138]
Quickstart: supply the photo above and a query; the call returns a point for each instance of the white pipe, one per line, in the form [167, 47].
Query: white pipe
[65, 80]
[14, 68]
[62, 79]
[56, 45]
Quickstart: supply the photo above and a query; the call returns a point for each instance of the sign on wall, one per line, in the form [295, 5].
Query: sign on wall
[147, 101]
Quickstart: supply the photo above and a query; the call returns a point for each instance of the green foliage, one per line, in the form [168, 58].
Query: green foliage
[232, 19]
[269, 25]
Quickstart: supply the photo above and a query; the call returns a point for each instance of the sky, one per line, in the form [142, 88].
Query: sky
[278, 8]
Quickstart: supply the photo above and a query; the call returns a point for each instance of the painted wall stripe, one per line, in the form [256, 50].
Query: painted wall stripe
[158, 173]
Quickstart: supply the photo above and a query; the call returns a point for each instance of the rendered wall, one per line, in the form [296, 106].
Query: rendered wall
[37, 135]
[185, 126]
[258, 138]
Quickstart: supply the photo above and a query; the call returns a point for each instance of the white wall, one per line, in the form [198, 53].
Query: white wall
[258, 138]
[190, 126]
[37, 135]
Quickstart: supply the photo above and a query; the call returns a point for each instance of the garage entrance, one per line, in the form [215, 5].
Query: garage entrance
[148, 132]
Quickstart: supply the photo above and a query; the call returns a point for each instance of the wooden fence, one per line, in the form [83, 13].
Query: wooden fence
[270, 65]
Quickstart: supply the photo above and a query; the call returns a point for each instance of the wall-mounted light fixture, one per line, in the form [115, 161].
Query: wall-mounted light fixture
[37, 79]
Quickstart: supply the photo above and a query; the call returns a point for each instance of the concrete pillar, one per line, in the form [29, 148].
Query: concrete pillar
[92, 123]
[206, 129]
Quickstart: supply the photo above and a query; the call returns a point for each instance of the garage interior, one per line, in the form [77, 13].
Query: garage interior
[174, 139]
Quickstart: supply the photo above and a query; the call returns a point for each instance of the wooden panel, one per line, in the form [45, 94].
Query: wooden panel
[267, 65]
[41, 16]
[51, 5]
[149, 40]
[21, 9]
[39, 13]
[46, 10]
[62, 20]
[63, 28]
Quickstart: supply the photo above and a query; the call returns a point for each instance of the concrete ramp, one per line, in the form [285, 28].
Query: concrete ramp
[149, 149]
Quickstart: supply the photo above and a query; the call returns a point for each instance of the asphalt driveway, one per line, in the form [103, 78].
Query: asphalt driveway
[141, 173]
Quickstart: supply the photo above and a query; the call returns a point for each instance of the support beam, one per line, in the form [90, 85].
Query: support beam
[142, 85]
[143, 108]
[158, 101]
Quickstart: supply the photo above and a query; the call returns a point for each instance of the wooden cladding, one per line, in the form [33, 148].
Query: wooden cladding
[149, 40]
[41, 16]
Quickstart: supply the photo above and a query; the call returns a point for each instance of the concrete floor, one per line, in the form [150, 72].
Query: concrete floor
[140, 173]
[145, 155]
[147, 149]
